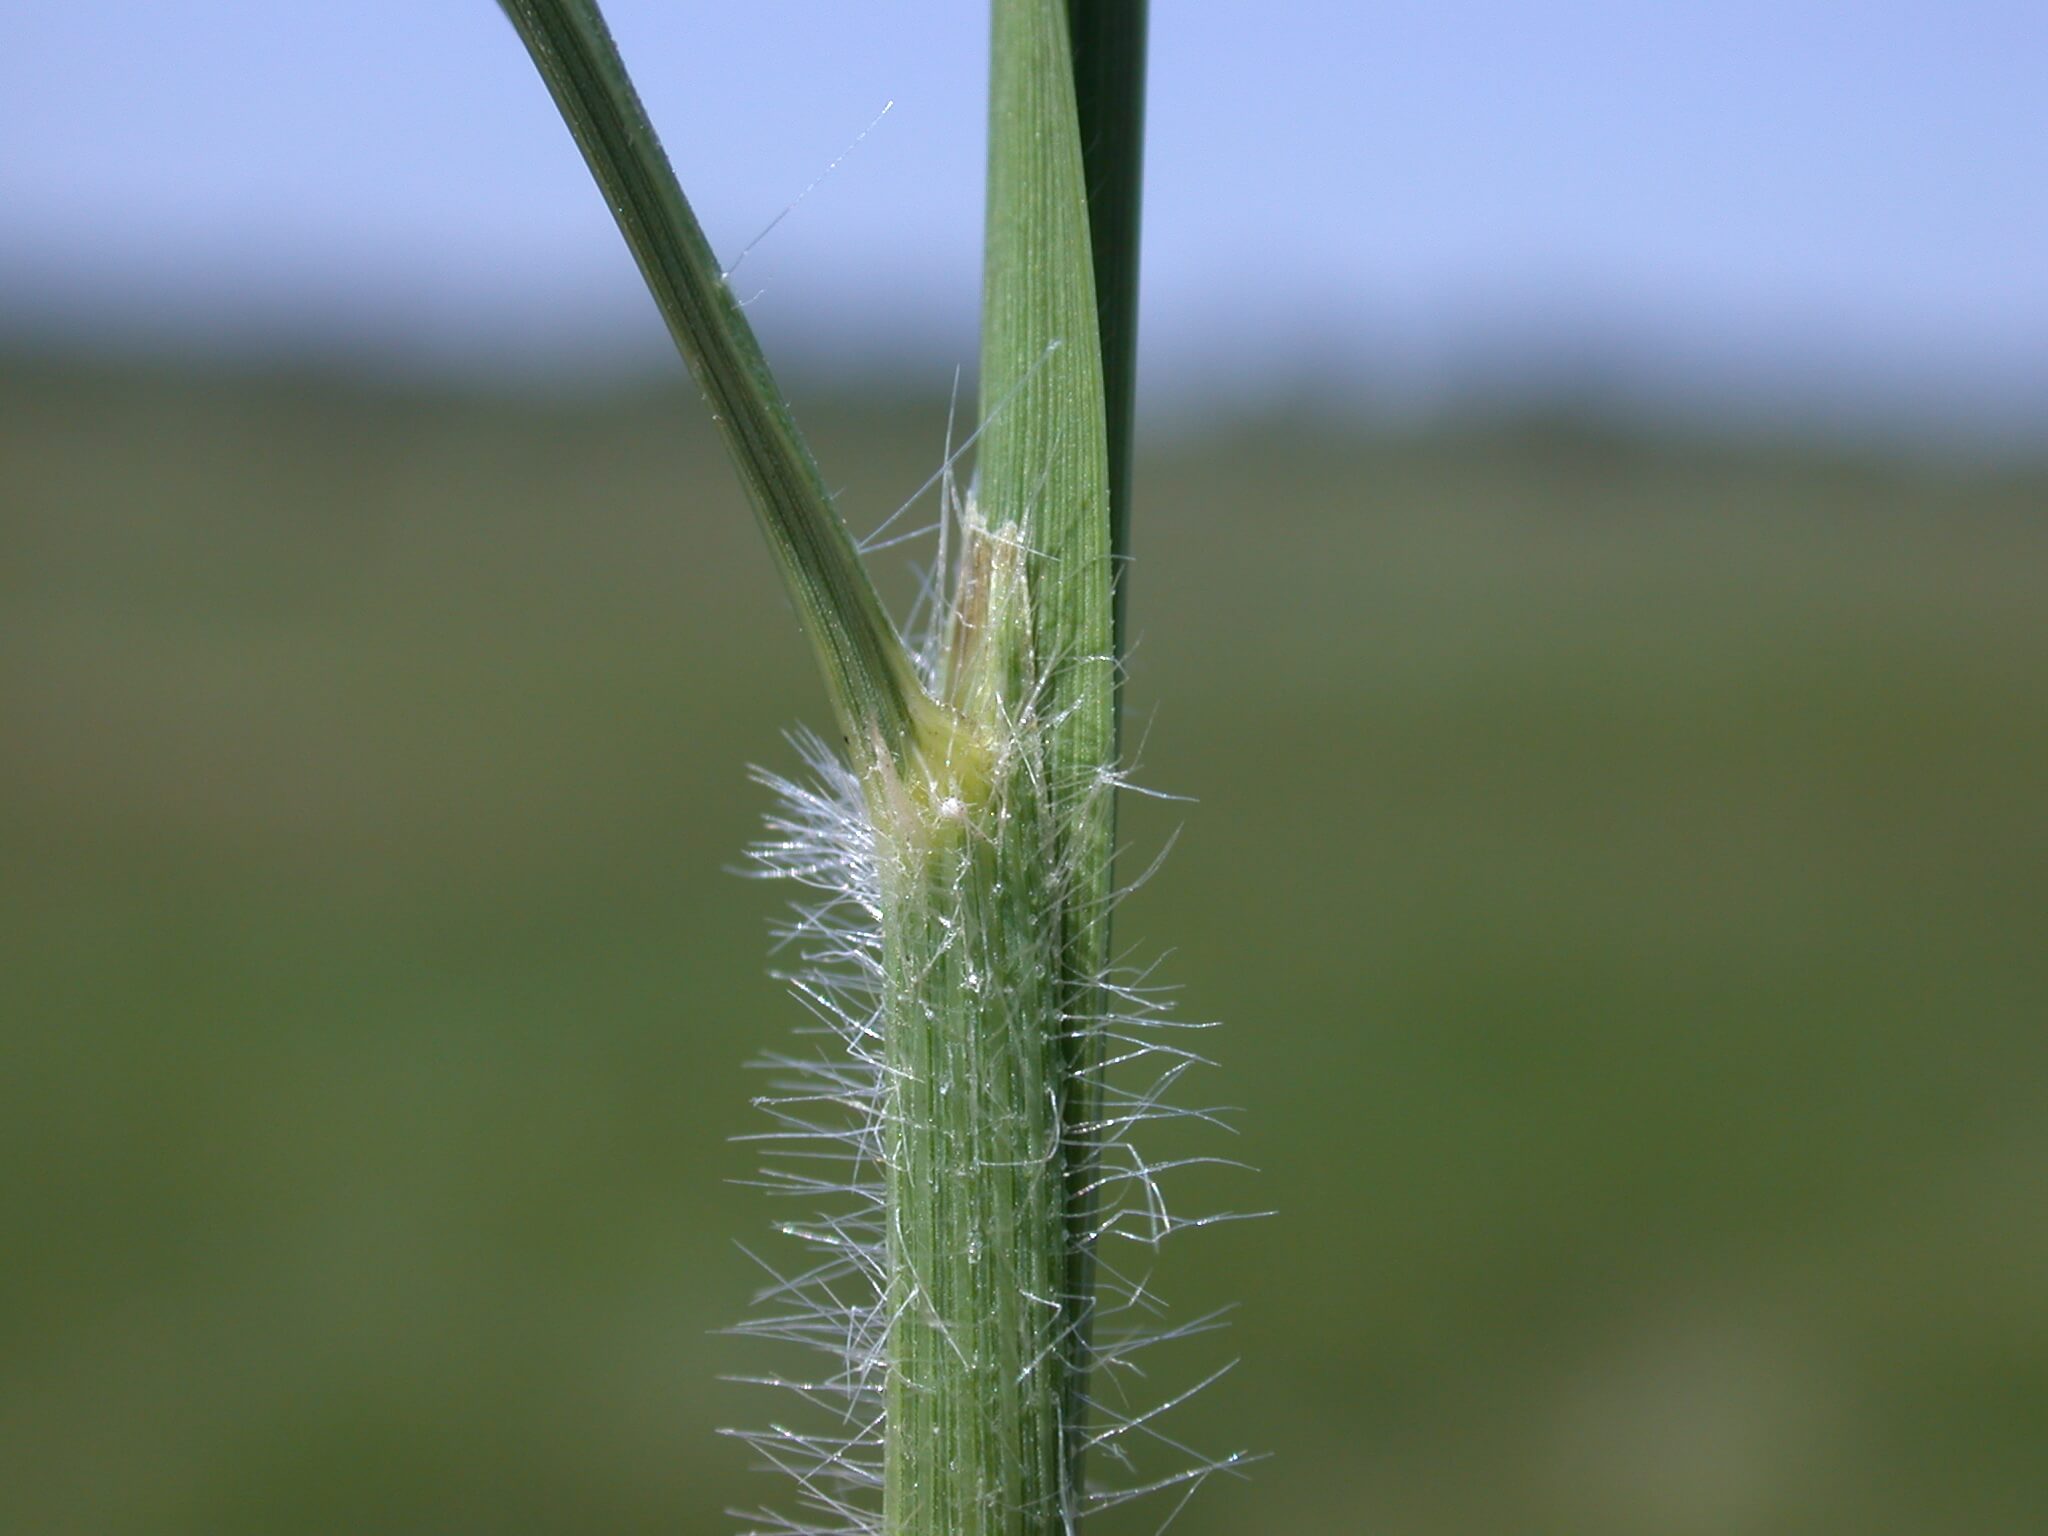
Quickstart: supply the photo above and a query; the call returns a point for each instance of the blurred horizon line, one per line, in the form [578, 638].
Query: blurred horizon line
[1629, 375]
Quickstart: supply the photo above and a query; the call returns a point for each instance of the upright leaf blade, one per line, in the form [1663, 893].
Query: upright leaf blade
[1108, 39]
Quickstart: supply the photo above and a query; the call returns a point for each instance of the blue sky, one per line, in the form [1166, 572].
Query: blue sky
[1831, 208]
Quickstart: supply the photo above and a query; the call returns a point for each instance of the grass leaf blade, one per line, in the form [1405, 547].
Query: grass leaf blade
[1108, 39]
[868, 672]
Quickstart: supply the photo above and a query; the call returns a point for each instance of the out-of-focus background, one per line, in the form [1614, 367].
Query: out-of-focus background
[1592, 576]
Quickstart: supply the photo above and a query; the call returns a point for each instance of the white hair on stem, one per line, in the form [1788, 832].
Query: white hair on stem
[827, 1141]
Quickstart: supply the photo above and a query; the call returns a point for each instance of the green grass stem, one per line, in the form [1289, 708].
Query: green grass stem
[980, 845]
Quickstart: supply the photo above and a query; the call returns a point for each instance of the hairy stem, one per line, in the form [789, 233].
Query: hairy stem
[973, 1145]
[996, 928]
[981, 848]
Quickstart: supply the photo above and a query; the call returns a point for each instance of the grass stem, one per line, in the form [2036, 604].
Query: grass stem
[961, 944]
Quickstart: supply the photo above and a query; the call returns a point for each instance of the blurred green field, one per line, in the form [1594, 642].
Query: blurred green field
[1622, 866]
